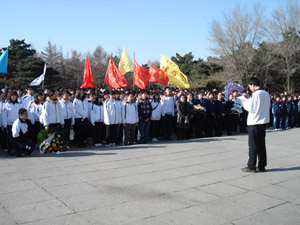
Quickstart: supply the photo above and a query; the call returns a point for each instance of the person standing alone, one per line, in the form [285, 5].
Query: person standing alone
[258, 106]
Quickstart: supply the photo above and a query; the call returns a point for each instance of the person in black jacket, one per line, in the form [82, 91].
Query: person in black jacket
[220, 114]
[183, 113]
[22, 138]
[145, 112]
[210, 122]
[229, 114]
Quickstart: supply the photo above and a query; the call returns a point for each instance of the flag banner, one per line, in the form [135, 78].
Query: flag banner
[173, 72]
[158, 76]
[124, 64]
[141, 76]
[3, 61]
[88, 80]
[114, 78]
[37, 81]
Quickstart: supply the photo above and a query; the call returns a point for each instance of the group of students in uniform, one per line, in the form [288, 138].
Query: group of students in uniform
[285, 111]
[121, 117]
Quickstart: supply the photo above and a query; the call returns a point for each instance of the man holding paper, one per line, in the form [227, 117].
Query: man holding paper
[258, 106]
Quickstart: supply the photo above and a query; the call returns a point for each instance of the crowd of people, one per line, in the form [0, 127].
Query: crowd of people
[127, 117]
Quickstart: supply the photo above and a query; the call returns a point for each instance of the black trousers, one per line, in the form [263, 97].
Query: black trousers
[129, 134]
[257, 146]
[219, 125]
[98, 132]
[167, 121]
[81, 130]
[154, 128]
[112, 133]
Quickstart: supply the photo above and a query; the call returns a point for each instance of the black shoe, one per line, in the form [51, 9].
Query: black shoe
[248, 170]
[261, 170]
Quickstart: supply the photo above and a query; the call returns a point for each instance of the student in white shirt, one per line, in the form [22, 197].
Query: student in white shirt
[130, 119]
[97, 117]
[53, 117]
[80, 103]
[67, 108]
[168, 111]
[155, 118]
[111, 119]
[9, 115]
[21, 135]
[34, 114]
[27, 98]
[258, 106]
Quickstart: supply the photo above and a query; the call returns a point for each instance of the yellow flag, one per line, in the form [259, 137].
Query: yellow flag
[173, 72]
[124, 64]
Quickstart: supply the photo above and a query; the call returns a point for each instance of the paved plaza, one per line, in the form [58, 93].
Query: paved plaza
[196, 181]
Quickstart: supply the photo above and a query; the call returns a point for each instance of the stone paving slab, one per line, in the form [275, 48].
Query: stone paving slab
[195, 181]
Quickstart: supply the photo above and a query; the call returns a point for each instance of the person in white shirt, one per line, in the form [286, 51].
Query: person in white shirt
[53, 117]
[34, 114]
[155, 118]
[80, 103]
[9, 115]
[111, 119]
[168, 111]
[130, 119]
[67, 108]
[21, 135]
[258, 106]
[97, 117]
[27, 98]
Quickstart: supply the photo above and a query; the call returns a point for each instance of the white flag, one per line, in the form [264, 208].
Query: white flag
[37, 81]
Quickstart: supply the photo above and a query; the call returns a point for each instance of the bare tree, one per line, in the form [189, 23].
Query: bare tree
[284, 30]
[99, 60]
[237, 38]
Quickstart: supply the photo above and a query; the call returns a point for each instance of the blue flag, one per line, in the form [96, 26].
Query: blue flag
[3, 62]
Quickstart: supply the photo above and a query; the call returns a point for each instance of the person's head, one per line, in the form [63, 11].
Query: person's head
[155, 97]
[53, 94]
[235, 93]
[29, 91]
[220, 96]
[112, 95]
[20, 92]
[168, 91]
[230, 97]
[244, 93]
[144, 95]
[200, 95]
[12, 96]
[211, 96]
[284, 98]
[79, 94]
[130, 97]
[121, 96]
[66, 95]
[182, 98]
[277, 99]
[290, 98]
[190, 97]
[23, 114]
[253, 84]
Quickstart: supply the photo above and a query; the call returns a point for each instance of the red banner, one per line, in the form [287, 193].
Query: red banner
[114, 78]
[158, 76]
[141, 76]
[88, 80]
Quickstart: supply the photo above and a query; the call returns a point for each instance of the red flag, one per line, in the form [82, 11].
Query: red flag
[113, 77]
[88, 80]
[158, 76]
[141, 76]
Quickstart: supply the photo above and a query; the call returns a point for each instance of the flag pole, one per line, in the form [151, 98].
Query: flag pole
[43, 85]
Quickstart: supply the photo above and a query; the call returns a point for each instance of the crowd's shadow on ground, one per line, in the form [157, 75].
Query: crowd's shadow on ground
[91, 150]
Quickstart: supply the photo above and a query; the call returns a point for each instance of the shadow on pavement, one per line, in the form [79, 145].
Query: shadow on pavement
[283, 169]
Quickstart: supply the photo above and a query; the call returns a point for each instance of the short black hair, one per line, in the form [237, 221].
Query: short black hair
[22, 111]
[254, 81]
